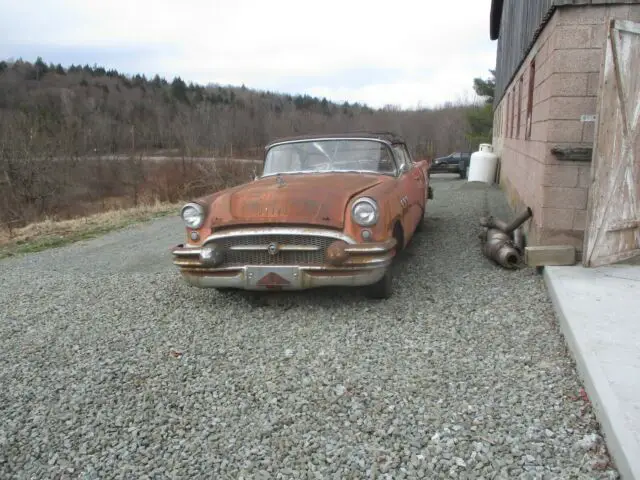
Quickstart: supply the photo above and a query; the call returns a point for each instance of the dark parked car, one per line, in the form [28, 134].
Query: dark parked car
[457, 162]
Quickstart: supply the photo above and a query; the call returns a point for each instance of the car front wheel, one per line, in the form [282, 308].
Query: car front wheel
[420, 226]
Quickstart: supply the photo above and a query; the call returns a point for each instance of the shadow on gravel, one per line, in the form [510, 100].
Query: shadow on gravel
[328, 296]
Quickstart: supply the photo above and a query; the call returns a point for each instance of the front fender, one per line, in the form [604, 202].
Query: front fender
[387, 195]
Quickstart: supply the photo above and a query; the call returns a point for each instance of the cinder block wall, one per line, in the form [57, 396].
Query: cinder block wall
[568, 56]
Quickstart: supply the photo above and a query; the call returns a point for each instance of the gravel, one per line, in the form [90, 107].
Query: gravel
[112, 367]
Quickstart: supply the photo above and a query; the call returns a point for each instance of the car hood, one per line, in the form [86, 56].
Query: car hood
[312, 199]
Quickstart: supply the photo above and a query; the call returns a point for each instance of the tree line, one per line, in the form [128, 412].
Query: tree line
[57, 121]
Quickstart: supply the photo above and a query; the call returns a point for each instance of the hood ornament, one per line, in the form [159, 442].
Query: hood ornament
[280, 181]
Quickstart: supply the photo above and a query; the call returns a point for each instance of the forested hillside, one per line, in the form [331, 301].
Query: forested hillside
[86, 108]
[57, 121]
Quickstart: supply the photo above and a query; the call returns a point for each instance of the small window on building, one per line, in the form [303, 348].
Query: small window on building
[520, 84]
[532, 82]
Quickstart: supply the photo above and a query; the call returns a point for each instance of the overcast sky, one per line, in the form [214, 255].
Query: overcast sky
[402, 52]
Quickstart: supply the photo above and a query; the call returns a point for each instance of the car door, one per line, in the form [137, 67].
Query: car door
[420, 177]
[413, 186]
[443, 164]
[403, 186]
[454, 162]
[422, 166]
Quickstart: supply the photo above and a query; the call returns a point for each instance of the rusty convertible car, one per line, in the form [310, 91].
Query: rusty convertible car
[327, 210]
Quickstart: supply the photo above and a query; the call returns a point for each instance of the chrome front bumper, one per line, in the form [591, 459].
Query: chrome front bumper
[364, 264]
[288, 278]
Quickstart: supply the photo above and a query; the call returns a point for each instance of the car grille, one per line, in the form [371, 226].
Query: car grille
[261, 256]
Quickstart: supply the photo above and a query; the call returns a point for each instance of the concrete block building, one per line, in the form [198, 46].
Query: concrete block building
[549, 78]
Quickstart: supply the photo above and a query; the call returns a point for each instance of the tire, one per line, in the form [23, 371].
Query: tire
[420, 226]
[383, 288]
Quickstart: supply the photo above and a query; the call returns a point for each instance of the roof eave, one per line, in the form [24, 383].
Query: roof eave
[495, 19]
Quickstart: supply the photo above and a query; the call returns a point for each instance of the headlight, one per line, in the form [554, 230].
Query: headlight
[365, 212]
[193, 215]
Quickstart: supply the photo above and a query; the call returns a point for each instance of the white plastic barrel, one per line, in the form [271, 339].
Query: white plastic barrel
[483, 165]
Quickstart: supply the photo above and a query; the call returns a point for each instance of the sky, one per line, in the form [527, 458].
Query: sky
[404, 53]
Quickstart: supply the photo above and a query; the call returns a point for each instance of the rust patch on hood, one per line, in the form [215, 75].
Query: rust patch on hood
[314, 199]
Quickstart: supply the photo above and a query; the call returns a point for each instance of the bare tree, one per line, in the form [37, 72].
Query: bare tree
[76, 139]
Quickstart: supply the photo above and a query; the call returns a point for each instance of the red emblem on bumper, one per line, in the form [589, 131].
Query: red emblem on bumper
[273, 280]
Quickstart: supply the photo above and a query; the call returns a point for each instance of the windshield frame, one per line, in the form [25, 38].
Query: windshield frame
[397, 162]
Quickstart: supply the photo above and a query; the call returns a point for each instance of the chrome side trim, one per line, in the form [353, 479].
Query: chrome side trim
[182, 251]
[377, 248]
[240, 232]
[315, 172]
[355, 264]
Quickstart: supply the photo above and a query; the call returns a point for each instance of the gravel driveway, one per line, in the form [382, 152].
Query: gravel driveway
[111, 367]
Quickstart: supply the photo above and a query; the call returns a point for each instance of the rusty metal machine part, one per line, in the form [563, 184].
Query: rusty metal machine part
[500, 248]
[492, 222]
[504, 242]
[518, 238]
[516, 222]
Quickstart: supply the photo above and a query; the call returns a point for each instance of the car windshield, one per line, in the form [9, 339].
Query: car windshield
[334, 155]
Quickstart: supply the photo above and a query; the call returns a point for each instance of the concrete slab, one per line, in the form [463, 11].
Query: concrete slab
[599, 314]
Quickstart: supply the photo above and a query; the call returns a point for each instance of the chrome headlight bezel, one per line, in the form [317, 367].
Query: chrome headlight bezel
[199, 208]
[376, 211]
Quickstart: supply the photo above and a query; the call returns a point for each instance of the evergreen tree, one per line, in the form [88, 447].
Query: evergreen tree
[41, 68]
[480, 118]
[179, 90]
[486, 87]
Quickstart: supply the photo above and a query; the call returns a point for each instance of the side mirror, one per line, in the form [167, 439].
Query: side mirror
[404, 168]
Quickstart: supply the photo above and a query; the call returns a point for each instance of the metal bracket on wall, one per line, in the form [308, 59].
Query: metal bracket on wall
[573, 154]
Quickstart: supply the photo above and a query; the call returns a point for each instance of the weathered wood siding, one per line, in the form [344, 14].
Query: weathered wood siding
[520, 25]
[614, 197]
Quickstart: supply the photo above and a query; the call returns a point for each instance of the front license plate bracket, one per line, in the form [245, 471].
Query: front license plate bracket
[272, 277]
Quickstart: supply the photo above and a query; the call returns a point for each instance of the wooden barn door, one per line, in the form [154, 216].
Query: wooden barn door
[613, 215]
